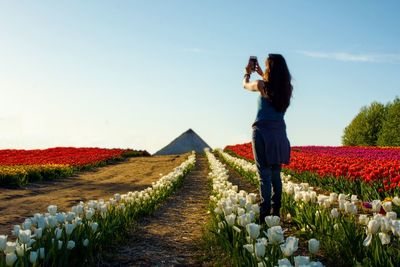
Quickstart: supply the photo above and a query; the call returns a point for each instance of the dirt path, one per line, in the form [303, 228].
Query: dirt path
[132, 174]
[236, 179]
[172, 235]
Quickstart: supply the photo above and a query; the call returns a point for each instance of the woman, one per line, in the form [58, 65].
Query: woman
[271, 147]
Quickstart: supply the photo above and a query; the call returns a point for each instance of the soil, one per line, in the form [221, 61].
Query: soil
[172, 235]
[133, 174]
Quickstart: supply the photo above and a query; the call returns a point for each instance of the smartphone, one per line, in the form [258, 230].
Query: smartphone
[253, 62]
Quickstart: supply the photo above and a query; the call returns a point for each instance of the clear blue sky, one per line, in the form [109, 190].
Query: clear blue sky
[139, 73]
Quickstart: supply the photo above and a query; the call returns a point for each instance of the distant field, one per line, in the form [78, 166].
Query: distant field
[18, 167]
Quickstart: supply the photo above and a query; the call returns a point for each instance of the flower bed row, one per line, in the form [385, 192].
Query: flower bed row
[365, 171]
[18, 167]
[76, 237]
[350, 234]
[235, 223]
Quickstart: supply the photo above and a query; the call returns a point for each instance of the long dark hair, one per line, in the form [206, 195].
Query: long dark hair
[277, 80]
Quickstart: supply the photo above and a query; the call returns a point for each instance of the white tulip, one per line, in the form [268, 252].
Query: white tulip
[60, 244]
[333, 197]
[38, 233]
[363, 219]
[301, 261]
[60, 217]
[24, 236]
[251, 198]
[10, 247]
[70, 244]
[334, 213]
[396, 201]
[391, 215]
[41, 253]
[3, 242]
[350, 208]
[253, 230]
[387, 206]
[33, 257]
[16, 230]
[284, 263]
[41, 222]
[342, 204]
[20, 249]
[94, 226]
[249, 247]
[70, 216]
[85, 242]
[217, 210]
[354, 199]
[27, 224]
[259, 250]
[290, 246]
[52, 221]
[385, 238]
[11, 258]
[255, 208]
[272, 220]
[342, 197]
[385, 224]
[52, 209]
[275, 235]
[315, 264]
[241, 211]
[69, 228]
[373, 226]
[230, 219]
[376, 205]
[58, 233]
[313, 246]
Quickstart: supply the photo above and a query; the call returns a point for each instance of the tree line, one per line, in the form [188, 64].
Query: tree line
[375, 125]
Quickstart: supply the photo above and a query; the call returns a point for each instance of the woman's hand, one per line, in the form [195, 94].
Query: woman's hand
[259, 70]
[248, 68]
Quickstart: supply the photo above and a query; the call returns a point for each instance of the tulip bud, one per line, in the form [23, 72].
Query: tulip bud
[385, 238]
[272, 220]
[94, 226]
[373, 226]
[11, 258]
[259, 250]
[52, 209]
[387, 206]
[334, 213]
[396, 201]
[41, 253]
[60, 244]
[70, 244]
[301, 260]
[38, 233]
[253, 230]
[313, 246]
[20, 250]
[230, 219]
[391, 215]
[58, 233]
[24, 236]
[363, 219]
[3, 242]
[33, 257]
[275, 235]
[85, 242]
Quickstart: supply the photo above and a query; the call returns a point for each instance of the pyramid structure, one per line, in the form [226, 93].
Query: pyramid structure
[186, 142]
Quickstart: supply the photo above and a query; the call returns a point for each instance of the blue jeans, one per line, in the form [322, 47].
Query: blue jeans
[270, 176]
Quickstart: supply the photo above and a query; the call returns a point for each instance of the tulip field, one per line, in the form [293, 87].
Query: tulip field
[74, 238]
[339, 208]
[18, 167]
[369, 172]
[352, 231]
